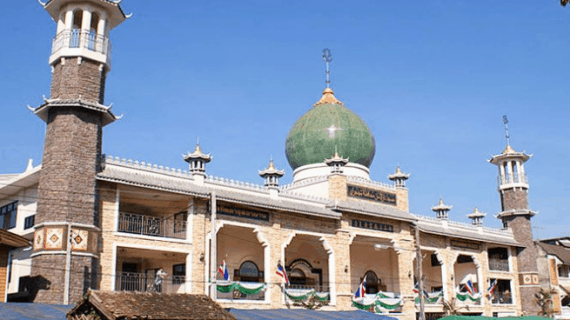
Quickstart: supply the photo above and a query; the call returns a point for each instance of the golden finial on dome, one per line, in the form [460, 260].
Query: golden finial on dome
[328, 98]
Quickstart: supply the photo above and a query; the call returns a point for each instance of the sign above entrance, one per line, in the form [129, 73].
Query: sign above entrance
[372, 225]
[242, 213]
[371, 195]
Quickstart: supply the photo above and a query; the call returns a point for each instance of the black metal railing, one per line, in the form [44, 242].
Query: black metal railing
[130, 281]
[152, 226]
[501, 298]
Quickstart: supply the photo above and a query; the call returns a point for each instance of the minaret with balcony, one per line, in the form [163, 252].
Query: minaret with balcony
[65, 258]
[515, 214]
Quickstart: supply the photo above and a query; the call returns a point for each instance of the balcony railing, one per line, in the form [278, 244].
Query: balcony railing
[498, 265]
[129, 281]
[502, 298]
[152, 226]
[512, 178]
[76, 38]
[250, 291]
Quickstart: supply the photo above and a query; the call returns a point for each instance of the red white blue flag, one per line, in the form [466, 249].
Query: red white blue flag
[492, 287]
[223, 269]
[469, 287]
[361, 291]
[281, 271]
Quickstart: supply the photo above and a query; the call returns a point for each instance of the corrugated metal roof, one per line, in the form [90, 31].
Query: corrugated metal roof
[303, 314]
[33, 311]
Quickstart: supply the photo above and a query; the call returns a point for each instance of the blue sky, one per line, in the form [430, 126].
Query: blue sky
[432, 79]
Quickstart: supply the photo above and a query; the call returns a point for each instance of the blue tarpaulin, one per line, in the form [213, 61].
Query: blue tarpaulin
[303, 314]
[33, 311]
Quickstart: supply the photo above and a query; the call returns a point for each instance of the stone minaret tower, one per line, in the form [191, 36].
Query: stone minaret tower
[65, 258]
[515, 214]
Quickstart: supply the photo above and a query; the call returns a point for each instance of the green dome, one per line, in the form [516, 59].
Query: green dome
[327, 125]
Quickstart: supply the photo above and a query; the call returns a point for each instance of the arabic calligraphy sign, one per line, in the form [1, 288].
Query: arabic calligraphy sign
[371, 195]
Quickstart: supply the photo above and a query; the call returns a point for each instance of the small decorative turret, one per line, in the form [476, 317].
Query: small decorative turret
[441, 210]
[477, 217]
[399, 178]
[197, 160]
[336, 162]
[271, 175]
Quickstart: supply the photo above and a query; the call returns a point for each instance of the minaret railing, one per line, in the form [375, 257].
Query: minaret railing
[76, 38]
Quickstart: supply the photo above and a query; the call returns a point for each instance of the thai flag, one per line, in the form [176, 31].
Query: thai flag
[361, 291]
[492, 286]
[223, 269]
[416, 288]
[281, 271]
[426, 295]
[469, 287]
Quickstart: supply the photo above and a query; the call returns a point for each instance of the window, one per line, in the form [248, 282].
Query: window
[8, 215]
[464, 259]
[29, 222]
[248, 271]
[179, 273]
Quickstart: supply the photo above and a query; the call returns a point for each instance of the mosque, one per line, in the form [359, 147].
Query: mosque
[111, 223]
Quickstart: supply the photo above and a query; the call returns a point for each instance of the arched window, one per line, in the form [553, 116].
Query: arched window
[373, 283]
[75, 28]
[248, 271]
[297, 277]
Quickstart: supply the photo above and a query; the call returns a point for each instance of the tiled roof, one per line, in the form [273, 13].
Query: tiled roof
[561, 252]
[175, 181]
[152, 305]
[373, 209]
[468, 232]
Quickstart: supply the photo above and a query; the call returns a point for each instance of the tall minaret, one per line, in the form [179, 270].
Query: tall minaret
[65, 258]
[515, 214]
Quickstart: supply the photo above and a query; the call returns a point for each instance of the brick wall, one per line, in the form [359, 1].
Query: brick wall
[73, 80]
[514, 199]
[3, 271]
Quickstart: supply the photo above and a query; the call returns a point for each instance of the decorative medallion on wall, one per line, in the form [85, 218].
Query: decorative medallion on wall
[39, 239]
[535, 279]
[527, 279]
[54, 238]
[79, 239]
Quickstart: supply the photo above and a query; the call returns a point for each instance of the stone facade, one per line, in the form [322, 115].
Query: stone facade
[514, 199]
[78, 79]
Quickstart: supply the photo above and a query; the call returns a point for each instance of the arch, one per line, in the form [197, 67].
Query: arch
[77, 19]
[249, 271]
[373, 283]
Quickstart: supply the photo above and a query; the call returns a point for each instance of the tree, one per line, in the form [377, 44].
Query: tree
[564, 2]
[544, 301]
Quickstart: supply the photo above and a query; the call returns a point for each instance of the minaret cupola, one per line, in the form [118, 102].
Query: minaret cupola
[477, 217]
[399, 178]
[441, 210]
[83, 28]
[197, 161]
[336, 162]
[271, 175]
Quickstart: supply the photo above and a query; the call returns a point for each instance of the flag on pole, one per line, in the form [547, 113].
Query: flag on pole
[426, 295]
[492, 286]
[361, 291]
[281, 271]
[469, 287]
[416, 288]
[223, 269]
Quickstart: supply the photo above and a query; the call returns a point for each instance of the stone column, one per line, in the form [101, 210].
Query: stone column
[343, 290]
[405, 266]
